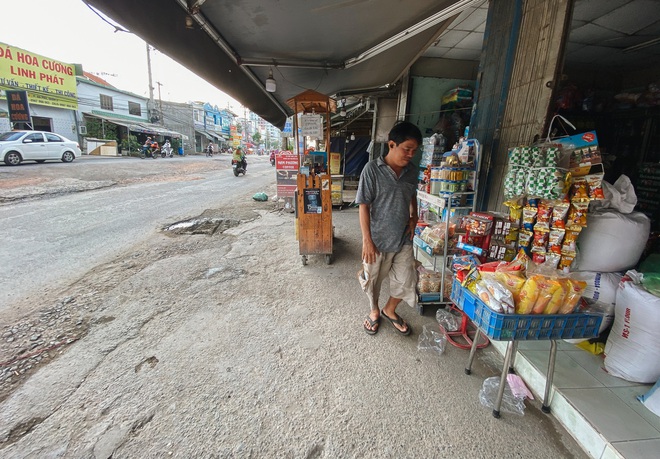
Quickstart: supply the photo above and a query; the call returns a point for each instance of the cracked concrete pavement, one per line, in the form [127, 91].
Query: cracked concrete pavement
[221, 344]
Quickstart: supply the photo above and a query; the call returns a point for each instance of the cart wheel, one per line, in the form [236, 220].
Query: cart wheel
[468, 371]
[328, 259]
[545, 409]
[304, 260]
[496, 414]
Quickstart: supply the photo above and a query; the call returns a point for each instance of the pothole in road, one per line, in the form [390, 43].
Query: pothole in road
[198, 225]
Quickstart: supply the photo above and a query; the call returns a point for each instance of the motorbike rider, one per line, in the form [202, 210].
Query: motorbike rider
[146, 148]
[167, 148]
[239, 156]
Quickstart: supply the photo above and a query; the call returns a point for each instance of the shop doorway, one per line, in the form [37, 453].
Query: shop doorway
[42, 124]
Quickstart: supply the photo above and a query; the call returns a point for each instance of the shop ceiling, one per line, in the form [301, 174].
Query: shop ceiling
[353, 46]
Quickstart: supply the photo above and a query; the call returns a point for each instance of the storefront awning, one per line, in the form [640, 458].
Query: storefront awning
[138, 126]
[204, 134]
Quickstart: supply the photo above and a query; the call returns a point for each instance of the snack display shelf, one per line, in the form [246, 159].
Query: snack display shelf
[439, 262]
[519, 327]
[443, 199]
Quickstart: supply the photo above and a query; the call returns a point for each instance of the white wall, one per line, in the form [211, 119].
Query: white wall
[62, 120]
[89, 100]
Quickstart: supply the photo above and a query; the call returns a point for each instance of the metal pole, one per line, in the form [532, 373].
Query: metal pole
[500, 391]
[551, 372]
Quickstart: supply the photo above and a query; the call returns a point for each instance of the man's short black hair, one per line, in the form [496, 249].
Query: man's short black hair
[404, 130]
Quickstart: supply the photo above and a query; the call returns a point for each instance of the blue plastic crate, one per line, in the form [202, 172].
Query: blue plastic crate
[519, 327]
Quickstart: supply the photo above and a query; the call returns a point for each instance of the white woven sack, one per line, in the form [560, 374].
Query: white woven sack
[612, 241]
[600, 286]
[632, 351]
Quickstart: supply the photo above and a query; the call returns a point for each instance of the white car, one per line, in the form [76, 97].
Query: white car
[19, 146]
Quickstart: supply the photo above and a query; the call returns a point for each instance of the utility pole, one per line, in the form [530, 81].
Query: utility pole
[150, 108]
[160, 104]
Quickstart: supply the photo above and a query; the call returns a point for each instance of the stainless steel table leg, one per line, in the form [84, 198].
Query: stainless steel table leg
[551, 372]
[513, 357]
[505, 368]
[473, 350]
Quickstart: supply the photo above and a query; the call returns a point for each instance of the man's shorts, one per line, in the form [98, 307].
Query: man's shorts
[399, 267]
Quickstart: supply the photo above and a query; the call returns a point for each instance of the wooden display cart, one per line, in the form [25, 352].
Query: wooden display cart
[314, 212]
[313, 195]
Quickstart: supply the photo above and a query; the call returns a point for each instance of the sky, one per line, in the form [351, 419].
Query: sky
[68, 31]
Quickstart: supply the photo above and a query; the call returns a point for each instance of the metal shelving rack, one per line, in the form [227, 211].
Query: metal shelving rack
[443, 204]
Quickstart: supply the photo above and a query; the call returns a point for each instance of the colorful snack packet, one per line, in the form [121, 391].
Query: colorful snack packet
[529, 217]
[559, 213]
[579, 190]
[577, 215]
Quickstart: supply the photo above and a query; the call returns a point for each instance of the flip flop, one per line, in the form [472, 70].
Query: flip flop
[372, 325]
[400, 322]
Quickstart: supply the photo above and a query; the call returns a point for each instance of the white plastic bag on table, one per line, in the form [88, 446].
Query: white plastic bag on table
[431, 340]
[612, 241]
[632, 351]
[447, 320]
[651, 399]
[510, 403]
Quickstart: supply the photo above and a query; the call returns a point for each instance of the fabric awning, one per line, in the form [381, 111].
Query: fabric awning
[139, 126]
[204, 133]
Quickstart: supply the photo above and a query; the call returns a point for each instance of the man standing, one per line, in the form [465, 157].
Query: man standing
[388, 216]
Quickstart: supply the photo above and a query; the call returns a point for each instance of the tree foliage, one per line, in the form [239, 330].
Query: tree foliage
[97, 129]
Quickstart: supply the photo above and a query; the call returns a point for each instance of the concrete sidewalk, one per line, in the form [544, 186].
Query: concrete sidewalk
[227, 346]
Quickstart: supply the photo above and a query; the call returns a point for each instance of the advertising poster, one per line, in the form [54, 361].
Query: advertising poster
[286, 168]
[47, 81]
[312, 198]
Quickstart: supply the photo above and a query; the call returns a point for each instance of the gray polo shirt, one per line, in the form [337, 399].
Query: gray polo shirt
[389, 201]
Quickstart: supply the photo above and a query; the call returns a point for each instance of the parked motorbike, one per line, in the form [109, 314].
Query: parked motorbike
[238, 167]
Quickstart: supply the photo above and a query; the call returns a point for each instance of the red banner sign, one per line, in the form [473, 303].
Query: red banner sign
[286, 166]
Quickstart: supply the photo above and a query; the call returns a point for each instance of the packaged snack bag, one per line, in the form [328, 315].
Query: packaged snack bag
[513, 282]
[529, 217]
[557, 298]
[528, 295]
[540, 241]
[573, 295]
[501, 294]
[565, 262]
[555, 239]
[485, 296]
[569, 245]
[538, 257]
[525, 239]
[559, 213]
[577, 215]
[547, 288]
[515, 211]
[579, 191]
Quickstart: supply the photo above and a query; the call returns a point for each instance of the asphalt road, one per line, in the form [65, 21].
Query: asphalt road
[59, 238]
